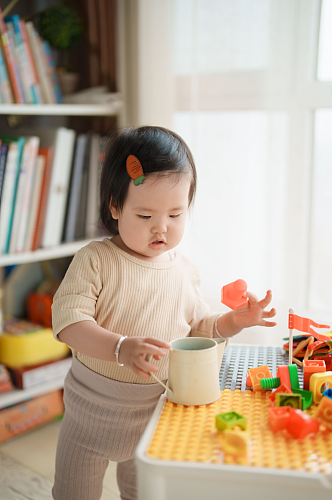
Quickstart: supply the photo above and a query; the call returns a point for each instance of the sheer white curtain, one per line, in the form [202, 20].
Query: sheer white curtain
[248, 84]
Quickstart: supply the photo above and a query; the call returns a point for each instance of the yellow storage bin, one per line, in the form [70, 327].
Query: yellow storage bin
[30, 348]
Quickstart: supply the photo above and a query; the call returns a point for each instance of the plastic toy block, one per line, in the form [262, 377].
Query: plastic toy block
[258, 373]
[283, 389]
[235, 442]
[269, 383]
[292, 400]
[317, 381]
[232, 294]
[249, 383]
[283, 374]
[307, 397]
[294, 376]
[278, 417]
[229, 420]
[311, 366]
[328, 393]
[301, 425]
[324, 412]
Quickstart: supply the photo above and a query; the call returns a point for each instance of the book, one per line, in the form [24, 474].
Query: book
[38, 56]
[9, 189]
[83, 195]
[59, 184]
[5, 87]
[27, 194]
[47, 153]
[13, 25]
[3, 157]
[49, 61]
[75, 187]
[35, 86]
[10, 59]
[32, 375]
[35, 201]
[18, 71]
[6, 383]
[92, 210]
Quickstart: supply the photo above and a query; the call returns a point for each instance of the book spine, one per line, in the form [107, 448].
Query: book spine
[35, 87]
[41, 215]
[3, 157]
[10, 61]
[37, 57]
[35, 202]
[26, 202]
[5, 83]
[46, 77]
[8, 196]
[13, 24]
[52, 72]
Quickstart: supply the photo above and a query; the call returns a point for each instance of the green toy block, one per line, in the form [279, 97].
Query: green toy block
[229, 420]
[294, 376]
[306, 397]
[292, 400]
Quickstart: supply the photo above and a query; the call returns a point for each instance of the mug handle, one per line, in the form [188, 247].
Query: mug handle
[149, 356]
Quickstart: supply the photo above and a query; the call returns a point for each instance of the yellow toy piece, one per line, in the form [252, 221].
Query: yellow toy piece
[31, 348]
[317, 380]
[235, 442]
[324, 412]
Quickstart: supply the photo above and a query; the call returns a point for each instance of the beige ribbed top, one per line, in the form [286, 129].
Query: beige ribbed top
[132, 297]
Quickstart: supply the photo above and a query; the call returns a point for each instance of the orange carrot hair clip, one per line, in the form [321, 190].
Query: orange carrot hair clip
[135, 169]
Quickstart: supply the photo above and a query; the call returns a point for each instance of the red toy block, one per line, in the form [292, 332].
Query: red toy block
[232, 294]
[324, 412]
[256, 374]
[311, 366]
[283, 389]
[283, 374]
[249, 383]
[278, 417]
[300, 424]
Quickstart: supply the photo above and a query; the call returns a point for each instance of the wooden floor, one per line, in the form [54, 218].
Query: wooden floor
[27, 466]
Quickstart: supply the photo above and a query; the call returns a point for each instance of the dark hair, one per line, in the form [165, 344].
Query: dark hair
[158, 150]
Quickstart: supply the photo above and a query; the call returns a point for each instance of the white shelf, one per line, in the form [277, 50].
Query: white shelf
[109, 109]
[63, 250]
[19, 395]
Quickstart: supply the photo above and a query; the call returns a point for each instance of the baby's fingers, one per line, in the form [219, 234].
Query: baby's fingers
[266, 301]
[269, 314]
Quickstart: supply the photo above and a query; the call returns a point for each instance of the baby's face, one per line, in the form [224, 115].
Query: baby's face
[153, 217]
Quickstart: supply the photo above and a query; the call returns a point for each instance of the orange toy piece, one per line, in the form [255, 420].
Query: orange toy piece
[317, 381]
[311, 366]
[135, 169]
[232, 294]
[256, 374]
[324, 412]
[281, 389]
[235, 442]
[283, 374]
[300, 424]
[278, 417]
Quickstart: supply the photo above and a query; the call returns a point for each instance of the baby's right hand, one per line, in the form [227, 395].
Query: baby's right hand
[134, 351]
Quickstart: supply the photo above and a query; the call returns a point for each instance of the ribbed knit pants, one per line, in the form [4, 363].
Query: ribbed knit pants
[104, 420]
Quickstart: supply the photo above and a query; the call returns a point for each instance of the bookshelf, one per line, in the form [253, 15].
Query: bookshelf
[111, 109]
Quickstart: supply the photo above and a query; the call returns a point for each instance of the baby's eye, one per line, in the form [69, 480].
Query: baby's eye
[144, 216]
[174, 216]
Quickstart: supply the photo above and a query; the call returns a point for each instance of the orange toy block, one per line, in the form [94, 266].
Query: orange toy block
[278, 417]
[324, 412]
[235, 442]
[232, 294]
[283, 374]
[300, 424]
[311, 366]
[256, 374]
[281, 389]
[317, 381]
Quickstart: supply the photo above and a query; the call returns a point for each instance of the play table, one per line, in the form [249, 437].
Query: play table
[179, 456]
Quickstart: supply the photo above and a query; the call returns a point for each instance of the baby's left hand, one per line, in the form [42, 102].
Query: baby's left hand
[253, 313]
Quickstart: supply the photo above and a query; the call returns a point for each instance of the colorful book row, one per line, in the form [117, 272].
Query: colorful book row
[27, 70]
[49, 188]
